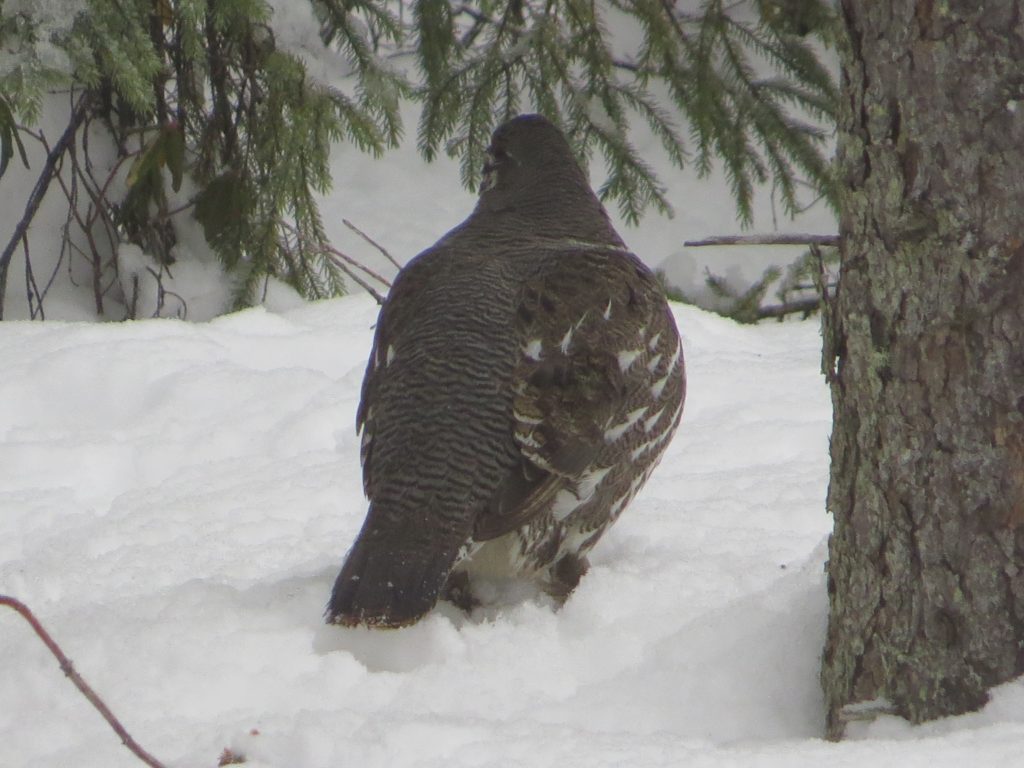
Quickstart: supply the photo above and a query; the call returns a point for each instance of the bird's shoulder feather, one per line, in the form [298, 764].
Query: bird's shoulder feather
[583, 324]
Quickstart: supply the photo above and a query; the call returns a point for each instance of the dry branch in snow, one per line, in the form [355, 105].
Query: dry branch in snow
[68, 669]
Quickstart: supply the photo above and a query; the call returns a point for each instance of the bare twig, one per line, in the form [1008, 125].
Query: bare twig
[802, 306]
[31, 289]
[340, 260]
[346, 263]
[629, 66]
[359, 265]
[795, 239]
[68, 669]
[39, 191]
[374, 243]
[474, 14]
[162, 293]
[96, 262]
[98, 209]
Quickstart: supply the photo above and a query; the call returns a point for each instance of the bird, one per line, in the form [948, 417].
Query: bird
[526, 377]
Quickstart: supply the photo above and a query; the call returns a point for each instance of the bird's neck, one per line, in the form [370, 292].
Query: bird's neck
[580, 218]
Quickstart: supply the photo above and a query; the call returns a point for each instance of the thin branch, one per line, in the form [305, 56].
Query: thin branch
[803, 306]
[339, 260]
[358, 265]
[166, 216]
[374, 243]
[345, 262]
[473, 13]
[31, 288]
[96, 262]
[629, 66]
[781, 239]
[39, 191]
[68, 669]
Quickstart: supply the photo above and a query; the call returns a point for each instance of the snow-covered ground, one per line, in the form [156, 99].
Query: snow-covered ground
[175, 500]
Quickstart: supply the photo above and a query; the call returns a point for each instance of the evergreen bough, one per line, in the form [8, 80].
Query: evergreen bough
[200, 87]
[484, 62]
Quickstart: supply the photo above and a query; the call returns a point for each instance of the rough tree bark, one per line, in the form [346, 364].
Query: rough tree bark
[924, 350]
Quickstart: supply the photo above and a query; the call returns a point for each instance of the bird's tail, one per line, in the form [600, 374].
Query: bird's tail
[386, 586]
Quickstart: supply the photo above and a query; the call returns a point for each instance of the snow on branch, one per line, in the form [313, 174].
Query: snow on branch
[777, 239]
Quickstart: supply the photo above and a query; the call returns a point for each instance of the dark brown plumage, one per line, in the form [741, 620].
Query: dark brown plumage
[525, 378]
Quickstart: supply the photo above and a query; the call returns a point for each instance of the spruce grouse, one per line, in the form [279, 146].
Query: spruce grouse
[526, 377]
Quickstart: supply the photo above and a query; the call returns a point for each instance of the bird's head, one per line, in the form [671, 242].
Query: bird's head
[529, 161]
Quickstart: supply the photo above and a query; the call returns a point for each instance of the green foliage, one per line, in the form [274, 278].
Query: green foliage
[167, 150]
[200, 89]
[145, 182]
[358, 28]
[514, 57]
[815, 270]
[9, 139]
[486, 61]
[24, 77]
[110, 46]
[799, 17]
[260, 131]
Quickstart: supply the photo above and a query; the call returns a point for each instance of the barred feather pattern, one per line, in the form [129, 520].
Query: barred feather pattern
[597, 396]
[525, 379]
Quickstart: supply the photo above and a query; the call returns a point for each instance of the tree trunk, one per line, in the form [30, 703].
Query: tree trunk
[924, 351]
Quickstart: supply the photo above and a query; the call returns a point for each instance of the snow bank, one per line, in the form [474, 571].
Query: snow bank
[175, 500]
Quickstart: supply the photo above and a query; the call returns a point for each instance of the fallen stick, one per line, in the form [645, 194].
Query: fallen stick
[828, 240]
[68, 669]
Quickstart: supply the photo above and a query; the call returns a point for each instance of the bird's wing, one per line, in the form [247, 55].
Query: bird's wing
[364, 413]
[580, 324]
[400, 307]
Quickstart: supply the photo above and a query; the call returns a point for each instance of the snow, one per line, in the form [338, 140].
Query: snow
[176, 500]
[53, 19]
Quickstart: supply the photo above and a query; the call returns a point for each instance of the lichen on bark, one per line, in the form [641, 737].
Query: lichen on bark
[925, 358]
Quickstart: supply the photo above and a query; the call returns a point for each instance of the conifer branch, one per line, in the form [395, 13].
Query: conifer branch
[556, 54]
[68, 669]
[779, 239]
[251, 128]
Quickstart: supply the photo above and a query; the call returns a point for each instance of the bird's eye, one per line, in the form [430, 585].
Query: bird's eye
[497, 157]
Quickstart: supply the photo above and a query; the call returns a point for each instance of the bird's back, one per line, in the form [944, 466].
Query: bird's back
[435, 417]
[437, 391]
[525, 378]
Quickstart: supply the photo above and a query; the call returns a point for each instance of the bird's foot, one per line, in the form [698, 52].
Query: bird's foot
[458, 592]
[565, 575]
